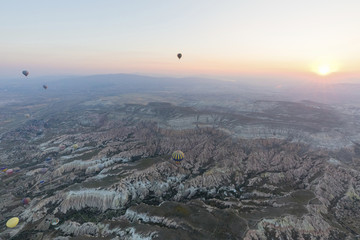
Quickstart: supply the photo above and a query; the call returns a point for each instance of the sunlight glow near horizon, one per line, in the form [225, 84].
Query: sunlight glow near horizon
[216, 38]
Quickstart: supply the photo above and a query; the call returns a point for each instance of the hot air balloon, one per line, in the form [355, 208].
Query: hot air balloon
[26, 201]
[12, 222]
[75, 146]
[4, 169]
[55, 221]
[27, 115]
[17, 169]
[25, 72]
[43, 170]
[62, 147]
[9, 171]
[42, 181]
[179, 55]
[45, 87]
[178, 156]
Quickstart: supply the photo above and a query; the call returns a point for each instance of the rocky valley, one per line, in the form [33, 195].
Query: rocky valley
[254, 167]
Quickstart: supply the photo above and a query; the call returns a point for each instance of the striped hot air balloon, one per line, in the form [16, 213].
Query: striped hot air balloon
[55, 221]
[178, 156]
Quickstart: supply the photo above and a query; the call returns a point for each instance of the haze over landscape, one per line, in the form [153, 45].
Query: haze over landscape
[231, 38]
[262, 106]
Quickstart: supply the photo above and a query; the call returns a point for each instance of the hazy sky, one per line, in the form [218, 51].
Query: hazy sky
[230, 37]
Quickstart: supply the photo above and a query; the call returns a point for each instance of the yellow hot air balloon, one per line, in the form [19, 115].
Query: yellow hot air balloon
[178, 156]
[75, 146]
[12, 222]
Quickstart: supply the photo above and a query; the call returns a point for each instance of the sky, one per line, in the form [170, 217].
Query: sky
[232, 38]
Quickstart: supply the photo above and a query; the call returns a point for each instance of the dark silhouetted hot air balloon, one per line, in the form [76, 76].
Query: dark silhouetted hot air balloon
[26, 73]
[178, 156]
[45, 87]
[179, 55]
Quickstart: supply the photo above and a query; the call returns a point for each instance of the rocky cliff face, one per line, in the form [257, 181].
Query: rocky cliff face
[121, 184]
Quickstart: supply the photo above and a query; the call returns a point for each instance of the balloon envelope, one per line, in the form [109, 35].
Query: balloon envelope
[45, 87]
[9, 171]
[12, 222]
[26, 200]
[178, 156]
[55, 221]
[25, 72]
[179, 55]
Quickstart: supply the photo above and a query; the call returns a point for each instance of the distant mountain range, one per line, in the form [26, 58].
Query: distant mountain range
[130, 83]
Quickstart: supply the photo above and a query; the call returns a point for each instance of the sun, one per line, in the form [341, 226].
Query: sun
[324, 67]
[324, 70]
